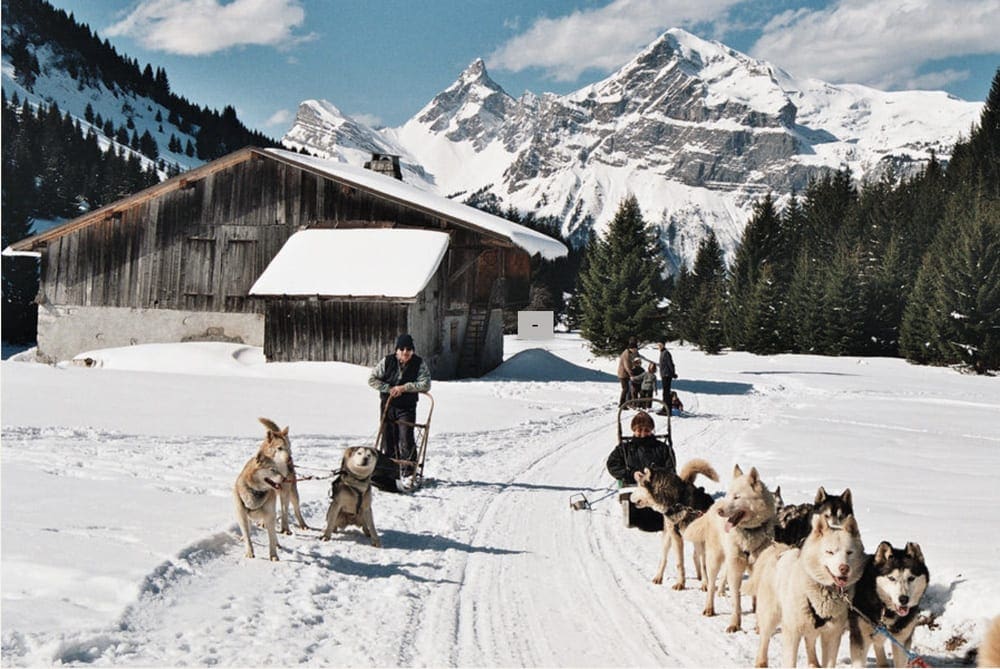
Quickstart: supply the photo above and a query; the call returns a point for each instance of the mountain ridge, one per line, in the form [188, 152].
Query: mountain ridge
[695, 129]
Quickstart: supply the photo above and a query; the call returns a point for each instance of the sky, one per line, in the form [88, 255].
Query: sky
[120, 545]
[381, 62]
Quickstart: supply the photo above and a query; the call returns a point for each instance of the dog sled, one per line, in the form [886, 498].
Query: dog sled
[395, 472]
[649, 405]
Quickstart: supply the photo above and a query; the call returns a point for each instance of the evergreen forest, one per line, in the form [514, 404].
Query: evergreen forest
[892, 267]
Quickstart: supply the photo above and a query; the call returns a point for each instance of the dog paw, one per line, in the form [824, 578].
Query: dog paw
[249, 554]
[657, 580]
[377, 544]
[679, 585]
[732, 629]
[285, 531]
[274, 558]
[709, 611]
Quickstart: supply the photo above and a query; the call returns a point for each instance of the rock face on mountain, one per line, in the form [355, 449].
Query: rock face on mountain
[696, 130]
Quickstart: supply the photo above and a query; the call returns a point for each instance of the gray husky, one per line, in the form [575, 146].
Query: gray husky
[680, 502]
[795, 520]
[888, 594]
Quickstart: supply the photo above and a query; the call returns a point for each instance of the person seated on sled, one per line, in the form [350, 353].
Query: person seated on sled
[633, 455]
[675, 403]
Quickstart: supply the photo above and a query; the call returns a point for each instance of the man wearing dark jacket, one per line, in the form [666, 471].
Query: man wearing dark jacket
[399, 378]
[635, 454]
[667, 374]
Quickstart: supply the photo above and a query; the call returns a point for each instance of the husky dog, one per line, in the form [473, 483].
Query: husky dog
[888, 594]
[255, 494]
[680, 502]
[733, 532]
[351, 494]
[989, 649]
[794, 521]
[807, 591]
[278, 447]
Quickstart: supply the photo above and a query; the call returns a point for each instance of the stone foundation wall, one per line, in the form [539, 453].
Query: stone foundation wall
[65, 331]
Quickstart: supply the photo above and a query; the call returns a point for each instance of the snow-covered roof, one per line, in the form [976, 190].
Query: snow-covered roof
[369, 262]
[531, 241]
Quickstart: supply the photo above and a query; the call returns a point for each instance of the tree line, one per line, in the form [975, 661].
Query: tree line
[890, 267]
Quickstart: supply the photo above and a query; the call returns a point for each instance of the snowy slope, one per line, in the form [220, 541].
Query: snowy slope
[120, 548]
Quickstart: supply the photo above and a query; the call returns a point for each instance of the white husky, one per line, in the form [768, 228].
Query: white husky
[732, 533]
[807, 591]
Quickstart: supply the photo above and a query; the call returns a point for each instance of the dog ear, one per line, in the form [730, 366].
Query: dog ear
[737, 472]
[641, 477]
[846, 496]
[754, 477]
[913, 550]
[851, 526]
[820, 496]
[883, 552]
[284, 433]
[819, 524]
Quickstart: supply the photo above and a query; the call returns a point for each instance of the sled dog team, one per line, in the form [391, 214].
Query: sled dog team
[268, 480]
[809, 574]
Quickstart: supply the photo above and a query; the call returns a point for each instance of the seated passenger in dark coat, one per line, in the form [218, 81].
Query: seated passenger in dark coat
[633, 455]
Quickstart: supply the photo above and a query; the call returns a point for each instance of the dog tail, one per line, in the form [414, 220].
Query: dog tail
[696, 466]
[269, 424]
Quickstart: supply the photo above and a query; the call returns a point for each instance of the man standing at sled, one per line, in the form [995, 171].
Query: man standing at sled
[667, 374]
[398, 378]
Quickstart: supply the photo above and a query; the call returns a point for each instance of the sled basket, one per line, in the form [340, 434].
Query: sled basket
[393, 472]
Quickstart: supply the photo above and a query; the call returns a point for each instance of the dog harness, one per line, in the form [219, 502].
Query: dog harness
[357, 485]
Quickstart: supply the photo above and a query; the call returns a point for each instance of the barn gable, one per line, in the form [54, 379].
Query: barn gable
[177, 261]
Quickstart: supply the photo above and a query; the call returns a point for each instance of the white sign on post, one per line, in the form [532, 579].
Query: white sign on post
[535, 324]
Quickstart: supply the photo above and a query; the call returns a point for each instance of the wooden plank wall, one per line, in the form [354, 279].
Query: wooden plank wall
[201, 247]
[316, 329]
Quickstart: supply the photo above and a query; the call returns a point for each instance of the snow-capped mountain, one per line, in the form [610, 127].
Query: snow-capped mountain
[696, 130]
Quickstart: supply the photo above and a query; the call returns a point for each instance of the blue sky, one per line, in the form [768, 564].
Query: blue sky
[382, 60]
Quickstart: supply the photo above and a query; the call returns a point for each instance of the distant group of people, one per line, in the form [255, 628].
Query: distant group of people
[638, 383]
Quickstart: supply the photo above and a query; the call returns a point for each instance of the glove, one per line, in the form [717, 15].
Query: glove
[675, 376]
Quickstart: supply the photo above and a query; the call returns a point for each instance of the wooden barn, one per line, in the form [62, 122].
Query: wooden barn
[308, 258]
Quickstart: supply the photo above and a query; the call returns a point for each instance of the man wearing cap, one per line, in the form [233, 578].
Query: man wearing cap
[398, 378]
[667, 374]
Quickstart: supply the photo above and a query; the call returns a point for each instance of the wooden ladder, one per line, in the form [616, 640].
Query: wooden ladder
[472, 344]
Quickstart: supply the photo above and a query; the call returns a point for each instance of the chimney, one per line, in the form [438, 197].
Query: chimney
[385, 163]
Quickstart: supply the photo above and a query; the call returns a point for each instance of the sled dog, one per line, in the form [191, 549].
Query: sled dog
[889, 592]
[732, 533]
[807, 591]
[680, 502]
[278, 447]
[795, 521]
[351, 494]
[989, 649]
[255, 494]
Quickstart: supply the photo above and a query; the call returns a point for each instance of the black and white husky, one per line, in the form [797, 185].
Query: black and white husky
[887, 594]
[794, 521]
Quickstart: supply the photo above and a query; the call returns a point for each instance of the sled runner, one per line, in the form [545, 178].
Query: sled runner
[395, 473]
[649, 405]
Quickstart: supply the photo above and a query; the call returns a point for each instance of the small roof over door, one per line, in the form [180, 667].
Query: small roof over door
[376, 263]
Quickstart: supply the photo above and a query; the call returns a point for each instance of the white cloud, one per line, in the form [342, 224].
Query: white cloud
[280, 117]
[202, 27]
[602, 38]
[882, 43]
[370, 120]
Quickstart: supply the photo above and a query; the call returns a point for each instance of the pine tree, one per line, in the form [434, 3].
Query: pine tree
[708, 275]
[966, 299]
[620, 288]
[842, 305]
[757, 251]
